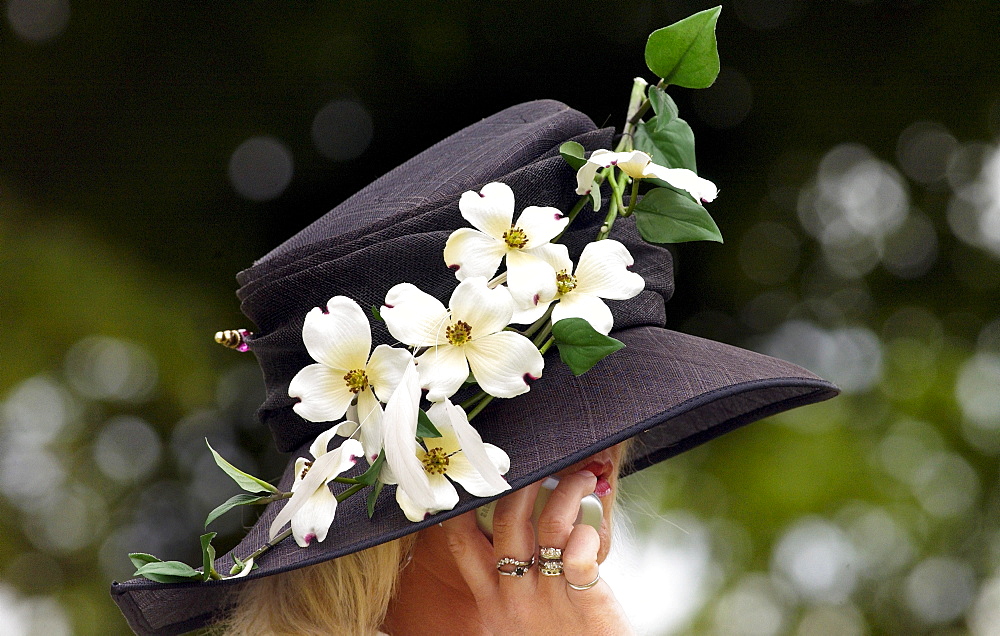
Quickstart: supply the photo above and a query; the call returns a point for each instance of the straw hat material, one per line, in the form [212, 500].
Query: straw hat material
[669, 390]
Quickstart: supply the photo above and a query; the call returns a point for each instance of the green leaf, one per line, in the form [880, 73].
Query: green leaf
[208, 556]
[372, 497]
[573, 152]
[580, 345]
[241, 499]
[377, 314]
[169, 572]
[685, 53]
[425, 428]
[370, 476]
[667, 216]
[669, 144]
[663, 105]
[140, 559]
[245, 481]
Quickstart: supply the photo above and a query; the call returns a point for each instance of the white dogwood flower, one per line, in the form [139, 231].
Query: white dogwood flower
[459, 455]
[467, 334]
[523, 243]
[601, 273]
[340, 339]
[312, 507]
[639, 165]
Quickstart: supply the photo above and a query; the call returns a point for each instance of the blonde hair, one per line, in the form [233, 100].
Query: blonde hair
[347, 595]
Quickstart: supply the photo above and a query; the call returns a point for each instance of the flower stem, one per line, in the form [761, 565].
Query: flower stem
[633, 198]
[637, 100]
[545, 347]
[270, 544]
[472, 400]
[617, 184]
[479, 407]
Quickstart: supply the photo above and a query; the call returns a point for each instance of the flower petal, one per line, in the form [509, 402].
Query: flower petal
[400, 430]
[442, 370]
[445, 498]
[473, 448]
[461, 470]
[322, 391]
[590, 308]
[631, 163]
[502, 362]
[491, 210]
[322, 441]
[414, 317]
[585, 175]
[472, 253]
[485, 310]
[340, 338]
[530, 314]
[529, 278]
[448, 442]
[385, 368]
[370, 424]
[312, 521]
[541, 225]
[585, 178]
[603, 271]
[323, 469]
[702, 190]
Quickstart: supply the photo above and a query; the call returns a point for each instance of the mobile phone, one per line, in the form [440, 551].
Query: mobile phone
[591, 509]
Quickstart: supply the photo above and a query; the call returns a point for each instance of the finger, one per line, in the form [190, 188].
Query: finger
[514, 535]
[473, 556]
[580, 564]
[561, 510]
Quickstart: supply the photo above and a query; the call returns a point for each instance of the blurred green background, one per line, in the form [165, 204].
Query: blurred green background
[149, 151]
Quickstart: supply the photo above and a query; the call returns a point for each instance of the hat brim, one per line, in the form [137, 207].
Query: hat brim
[669, 390]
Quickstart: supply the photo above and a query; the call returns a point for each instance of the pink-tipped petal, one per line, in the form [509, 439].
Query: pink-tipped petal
[338, 336]
[414, 317]
[490, 210]
[603, 271]
[472, 253]
[323, 393]
[500, 361]
[541, 225]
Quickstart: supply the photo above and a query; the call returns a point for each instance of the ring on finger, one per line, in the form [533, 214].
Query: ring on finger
[520, 567]
[550, 563]
[587, 586]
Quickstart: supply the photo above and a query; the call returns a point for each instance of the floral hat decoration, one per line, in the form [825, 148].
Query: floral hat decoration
[487, 314]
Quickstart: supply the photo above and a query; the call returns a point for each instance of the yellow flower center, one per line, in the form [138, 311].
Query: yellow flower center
[459, 333]
[357, 380]
[515, 238]
[435, 461]
[565, 283]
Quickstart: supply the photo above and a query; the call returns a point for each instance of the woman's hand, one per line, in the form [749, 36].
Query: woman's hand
[536, 604]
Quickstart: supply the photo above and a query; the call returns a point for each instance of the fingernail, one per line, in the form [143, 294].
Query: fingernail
[587, 472]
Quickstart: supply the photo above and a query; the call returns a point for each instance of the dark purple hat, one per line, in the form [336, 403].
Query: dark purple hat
[668, 390]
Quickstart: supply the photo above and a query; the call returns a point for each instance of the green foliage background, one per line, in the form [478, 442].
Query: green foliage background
[120, 233]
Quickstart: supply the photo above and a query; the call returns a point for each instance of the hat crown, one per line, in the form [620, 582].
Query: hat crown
[395, 229]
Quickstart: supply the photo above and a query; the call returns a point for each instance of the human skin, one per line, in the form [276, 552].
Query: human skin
[452, 586]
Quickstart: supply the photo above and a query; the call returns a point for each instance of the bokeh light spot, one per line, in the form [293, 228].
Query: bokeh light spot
[127, 448]
[261, 168]
[924, 150]
[38, 20]
[342, 130]
[103, 368]
[818, 559]
[939, 589]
